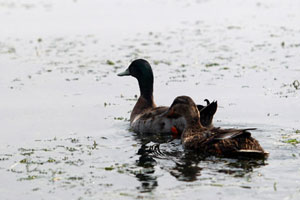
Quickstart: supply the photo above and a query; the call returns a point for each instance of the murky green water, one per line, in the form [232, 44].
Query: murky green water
[64, 112]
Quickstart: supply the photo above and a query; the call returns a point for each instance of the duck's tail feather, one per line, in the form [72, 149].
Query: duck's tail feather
[207, 113]
[200, 107]
[207, 101]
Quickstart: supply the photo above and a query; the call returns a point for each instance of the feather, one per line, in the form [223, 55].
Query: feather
[207, 113]
[233, 133]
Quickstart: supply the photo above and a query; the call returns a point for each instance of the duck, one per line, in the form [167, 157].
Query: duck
[233, 143]
[146, 117]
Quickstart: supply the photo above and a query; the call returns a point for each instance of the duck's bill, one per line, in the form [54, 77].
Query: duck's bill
[125, 73]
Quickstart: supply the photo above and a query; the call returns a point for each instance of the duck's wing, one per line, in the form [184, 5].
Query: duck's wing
[237, 143]
[217, 134]
[223, 134]
[153, 112]
[207, 113]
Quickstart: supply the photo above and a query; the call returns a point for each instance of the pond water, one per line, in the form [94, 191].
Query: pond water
[64, 112]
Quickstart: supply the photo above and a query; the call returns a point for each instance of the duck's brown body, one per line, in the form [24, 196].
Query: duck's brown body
[222, 142]
[142, 106]
[215, 141]
[154, 121]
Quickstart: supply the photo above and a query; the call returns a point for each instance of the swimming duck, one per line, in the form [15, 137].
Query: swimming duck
[215, 141]
[146, 117]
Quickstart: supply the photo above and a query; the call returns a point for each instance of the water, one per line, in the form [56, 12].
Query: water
[64, 112]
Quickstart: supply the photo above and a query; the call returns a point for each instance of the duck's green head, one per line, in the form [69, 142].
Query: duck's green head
[139, 69]
[142, 71]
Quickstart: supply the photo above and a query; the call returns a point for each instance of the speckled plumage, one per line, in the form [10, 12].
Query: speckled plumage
[215, 141]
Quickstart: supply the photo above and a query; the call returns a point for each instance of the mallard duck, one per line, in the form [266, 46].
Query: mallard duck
[215, 141]
[146, 117]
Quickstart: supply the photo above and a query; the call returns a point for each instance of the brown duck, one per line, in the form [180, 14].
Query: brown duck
[215, 141]
[146, 117]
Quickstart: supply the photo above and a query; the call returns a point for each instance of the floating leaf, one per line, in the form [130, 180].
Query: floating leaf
[212, 64]
[109, 168]
[109, 62]
[292, 141]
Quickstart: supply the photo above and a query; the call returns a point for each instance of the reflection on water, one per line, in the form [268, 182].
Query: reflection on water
[186, 165]
[146, 177]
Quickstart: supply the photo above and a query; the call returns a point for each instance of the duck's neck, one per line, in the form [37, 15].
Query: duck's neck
[146, 88]
[147, 93]
[194, 123]
[192, 128]
[145, 100]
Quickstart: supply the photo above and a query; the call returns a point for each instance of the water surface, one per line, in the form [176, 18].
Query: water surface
[64, 112]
